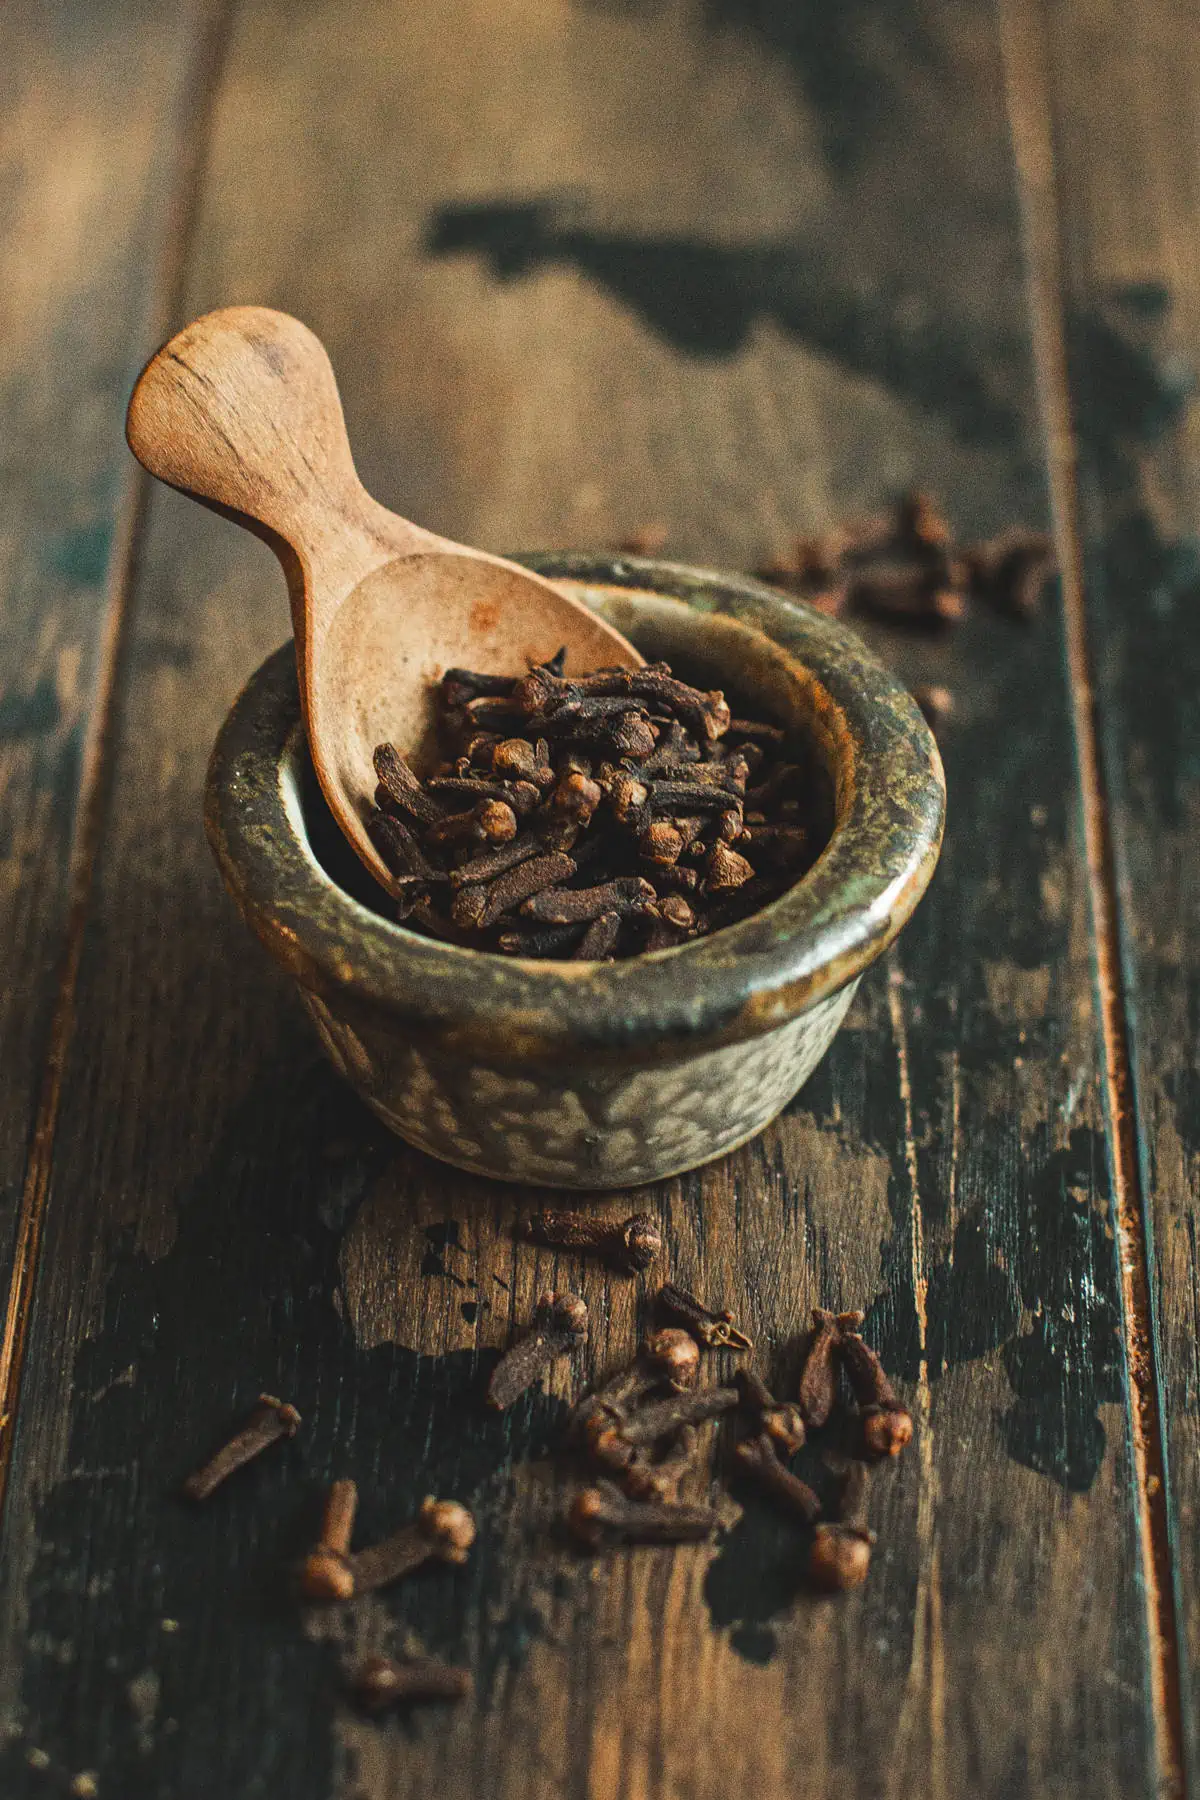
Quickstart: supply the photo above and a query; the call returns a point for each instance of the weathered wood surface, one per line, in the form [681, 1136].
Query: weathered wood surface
[1125, 167]
[89, 124]
[793, 283]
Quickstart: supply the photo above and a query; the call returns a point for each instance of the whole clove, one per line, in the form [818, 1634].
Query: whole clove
[818, 1376]
[839, 1557]
[603, 1515]
[659, 1479]
[886, 1424]
[380, 1682]
[716, 1331]
[759, 1458]
[780, 1420]
[271, 1420]
[443, 1530]
[327, 1574]
[558, 1328]
[668, 1358]
[907, 569]
[610, 802]
[629, 1245]
[659, 1418]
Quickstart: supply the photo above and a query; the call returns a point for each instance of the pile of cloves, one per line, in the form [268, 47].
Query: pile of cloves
[593, 816]
[638, 1433]
[905, 567]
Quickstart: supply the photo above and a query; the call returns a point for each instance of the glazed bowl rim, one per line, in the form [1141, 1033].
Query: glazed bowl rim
[749, 978]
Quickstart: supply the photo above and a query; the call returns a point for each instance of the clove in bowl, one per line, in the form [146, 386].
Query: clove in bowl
[601, 1075]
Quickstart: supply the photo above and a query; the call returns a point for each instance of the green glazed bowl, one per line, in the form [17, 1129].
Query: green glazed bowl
[599, 1075]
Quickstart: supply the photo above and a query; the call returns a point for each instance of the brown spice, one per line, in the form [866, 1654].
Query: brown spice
[442, 1530]
[327, 1574]
[840, 1557]
[603, 1515]
[759, 1458]
[716, 1331]
[379, 1682]
[661, 1418]
[780, 1420]
[622, 773]
[558, 1328]
[886, 1425]
[630, 1245]
[271, 1420]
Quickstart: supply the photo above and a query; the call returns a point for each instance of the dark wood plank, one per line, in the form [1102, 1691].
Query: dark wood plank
[1125, 172]
[89, 118]
[733, 334]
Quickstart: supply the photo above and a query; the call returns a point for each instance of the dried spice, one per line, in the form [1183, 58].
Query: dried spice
[759, 1458]
[327, 1574]
[907, 569]
[818, 1376]
[558, 1327]
[271, 1420]
[840, 1557]
[716, 1331]
[629, 1245]
[443, 1530]
[592, 817]
[603, 1515]
[886, 1425]
[380, 1682]
[780, 1420]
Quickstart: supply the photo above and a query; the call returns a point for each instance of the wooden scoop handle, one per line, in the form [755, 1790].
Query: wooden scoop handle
[241, 410]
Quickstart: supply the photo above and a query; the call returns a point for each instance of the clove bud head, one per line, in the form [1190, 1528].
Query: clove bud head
[449, 1528]
[642, 1240]
[840, 1557]
[562, 1312]
[326, 1575]
[886, 1430]
[676, 1355]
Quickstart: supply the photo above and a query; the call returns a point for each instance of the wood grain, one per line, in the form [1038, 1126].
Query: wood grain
[83, 175]
[733, 331]
[1132, 314]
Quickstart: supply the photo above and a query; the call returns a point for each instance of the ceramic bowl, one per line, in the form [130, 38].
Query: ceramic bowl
[599, 1075]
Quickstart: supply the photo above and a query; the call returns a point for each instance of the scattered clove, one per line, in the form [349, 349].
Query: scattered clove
[603, 1515]
[380, 1682]
[818, 1375]
[839, 1557]
[759, 1457]
[644, 1479]
[659, 1418]
[886, 1425]
[558, 1327]
[780, 1420]
[327, 1574]
[907, 569]
[630, 1245]
[271, 1420]
[716, 1331]
[669, 1358]
[442, 1529]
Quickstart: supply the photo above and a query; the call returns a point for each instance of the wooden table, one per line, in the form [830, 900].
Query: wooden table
[744, 266]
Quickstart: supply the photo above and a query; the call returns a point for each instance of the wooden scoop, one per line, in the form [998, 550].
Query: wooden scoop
[241, 410]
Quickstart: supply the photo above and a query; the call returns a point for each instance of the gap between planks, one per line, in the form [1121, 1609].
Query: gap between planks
[211, 23]
[1026, 67]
